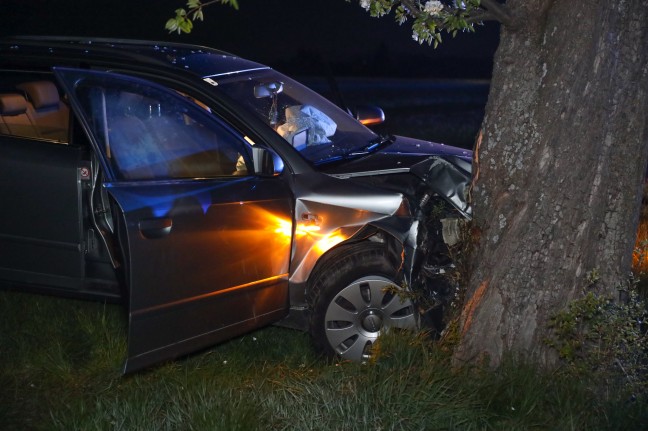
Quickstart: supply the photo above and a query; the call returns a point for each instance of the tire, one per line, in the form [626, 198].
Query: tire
[353, 302]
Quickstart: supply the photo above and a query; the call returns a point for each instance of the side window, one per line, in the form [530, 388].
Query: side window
[148, 132]
[31, 106]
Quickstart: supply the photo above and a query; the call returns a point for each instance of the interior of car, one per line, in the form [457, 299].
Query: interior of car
[34, 109]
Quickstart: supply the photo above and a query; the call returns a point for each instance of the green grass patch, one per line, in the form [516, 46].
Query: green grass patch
[61, 366]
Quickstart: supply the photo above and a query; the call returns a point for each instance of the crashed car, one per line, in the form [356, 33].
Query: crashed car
[213, 195]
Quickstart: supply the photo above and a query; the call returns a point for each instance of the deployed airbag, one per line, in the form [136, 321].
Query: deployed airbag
[299, 118]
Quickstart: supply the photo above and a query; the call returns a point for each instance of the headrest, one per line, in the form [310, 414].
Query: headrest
[42, 94]
[12, 104]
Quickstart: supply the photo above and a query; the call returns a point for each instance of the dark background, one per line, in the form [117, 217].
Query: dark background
[333, 46]
[303, 37]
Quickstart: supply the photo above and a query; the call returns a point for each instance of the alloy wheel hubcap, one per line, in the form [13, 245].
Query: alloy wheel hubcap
[372, 321]
[361, 311]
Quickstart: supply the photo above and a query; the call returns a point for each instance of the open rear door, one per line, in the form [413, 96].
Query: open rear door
[205, 255]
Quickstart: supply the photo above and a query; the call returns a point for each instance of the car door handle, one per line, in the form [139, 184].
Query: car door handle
[153, 228]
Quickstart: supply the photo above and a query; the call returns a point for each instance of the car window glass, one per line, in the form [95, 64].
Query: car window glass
[150, 133]
[317, 128]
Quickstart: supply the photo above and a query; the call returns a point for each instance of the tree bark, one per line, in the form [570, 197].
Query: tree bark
[559, 171]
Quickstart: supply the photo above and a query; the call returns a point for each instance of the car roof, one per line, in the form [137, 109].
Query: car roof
[195, 59]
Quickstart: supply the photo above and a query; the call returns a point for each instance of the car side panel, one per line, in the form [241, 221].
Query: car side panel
[41, 231]
[205, 261]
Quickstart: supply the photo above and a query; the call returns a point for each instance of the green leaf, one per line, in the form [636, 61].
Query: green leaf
[171, 25]
[185, 26]
[198, 15]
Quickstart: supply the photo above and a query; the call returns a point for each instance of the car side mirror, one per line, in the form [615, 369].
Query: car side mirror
[266, 162]
[369, 115]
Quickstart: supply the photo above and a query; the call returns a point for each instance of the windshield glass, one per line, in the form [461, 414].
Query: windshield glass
[317, 128]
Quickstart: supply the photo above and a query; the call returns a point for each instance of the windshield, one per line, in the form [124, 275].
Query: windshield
[317, 128]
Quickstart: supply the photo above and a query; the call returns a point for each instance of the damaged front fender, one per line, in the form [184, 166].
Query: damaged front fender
[329, 211]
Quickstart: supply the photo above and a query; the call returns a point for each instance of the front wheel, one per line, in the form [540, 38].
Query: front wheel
[355, 299]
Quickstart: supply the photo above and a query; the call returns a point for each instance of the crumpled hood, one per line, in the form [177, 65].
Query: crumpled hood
[445, 169]
[416, 146]
[400, 156]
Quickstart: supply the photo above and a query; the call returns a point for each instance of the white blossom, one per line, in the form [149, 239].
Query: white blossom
[433, 7]
[366, 4]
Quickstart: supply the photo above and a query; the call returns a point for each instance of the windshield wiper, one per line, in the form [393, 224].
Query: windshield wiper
[373, 146]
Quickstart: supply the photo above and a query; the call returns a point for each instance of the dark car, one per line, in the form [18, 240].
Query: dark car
[213, 195]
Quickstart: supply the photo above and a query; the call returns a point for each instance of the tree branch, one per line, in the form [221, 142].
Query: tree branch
[412, 8]
[492, 11]
[480, 16]
[497, 10]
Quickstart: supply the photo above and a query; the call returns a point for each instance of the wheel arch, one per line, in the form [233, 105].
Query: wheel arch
[353, 297]
[369, 233]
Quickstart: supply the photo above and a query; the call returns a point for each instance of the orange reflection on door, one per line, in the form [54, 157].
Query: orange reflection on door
[329, 241]
[284, 230]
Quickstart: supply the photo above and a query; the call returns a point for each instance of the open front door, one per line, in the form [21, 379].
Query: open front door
[205, 255]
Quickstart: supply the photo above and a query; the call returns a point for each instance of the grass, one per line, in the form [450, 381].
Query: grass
[61, 369]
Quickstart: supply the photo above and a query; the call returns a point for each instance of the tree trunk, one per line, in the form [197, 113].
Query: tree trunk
[559, 170]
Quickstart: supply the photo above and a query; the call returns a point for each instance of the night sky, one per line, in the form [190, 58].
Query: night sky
[294, 36]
